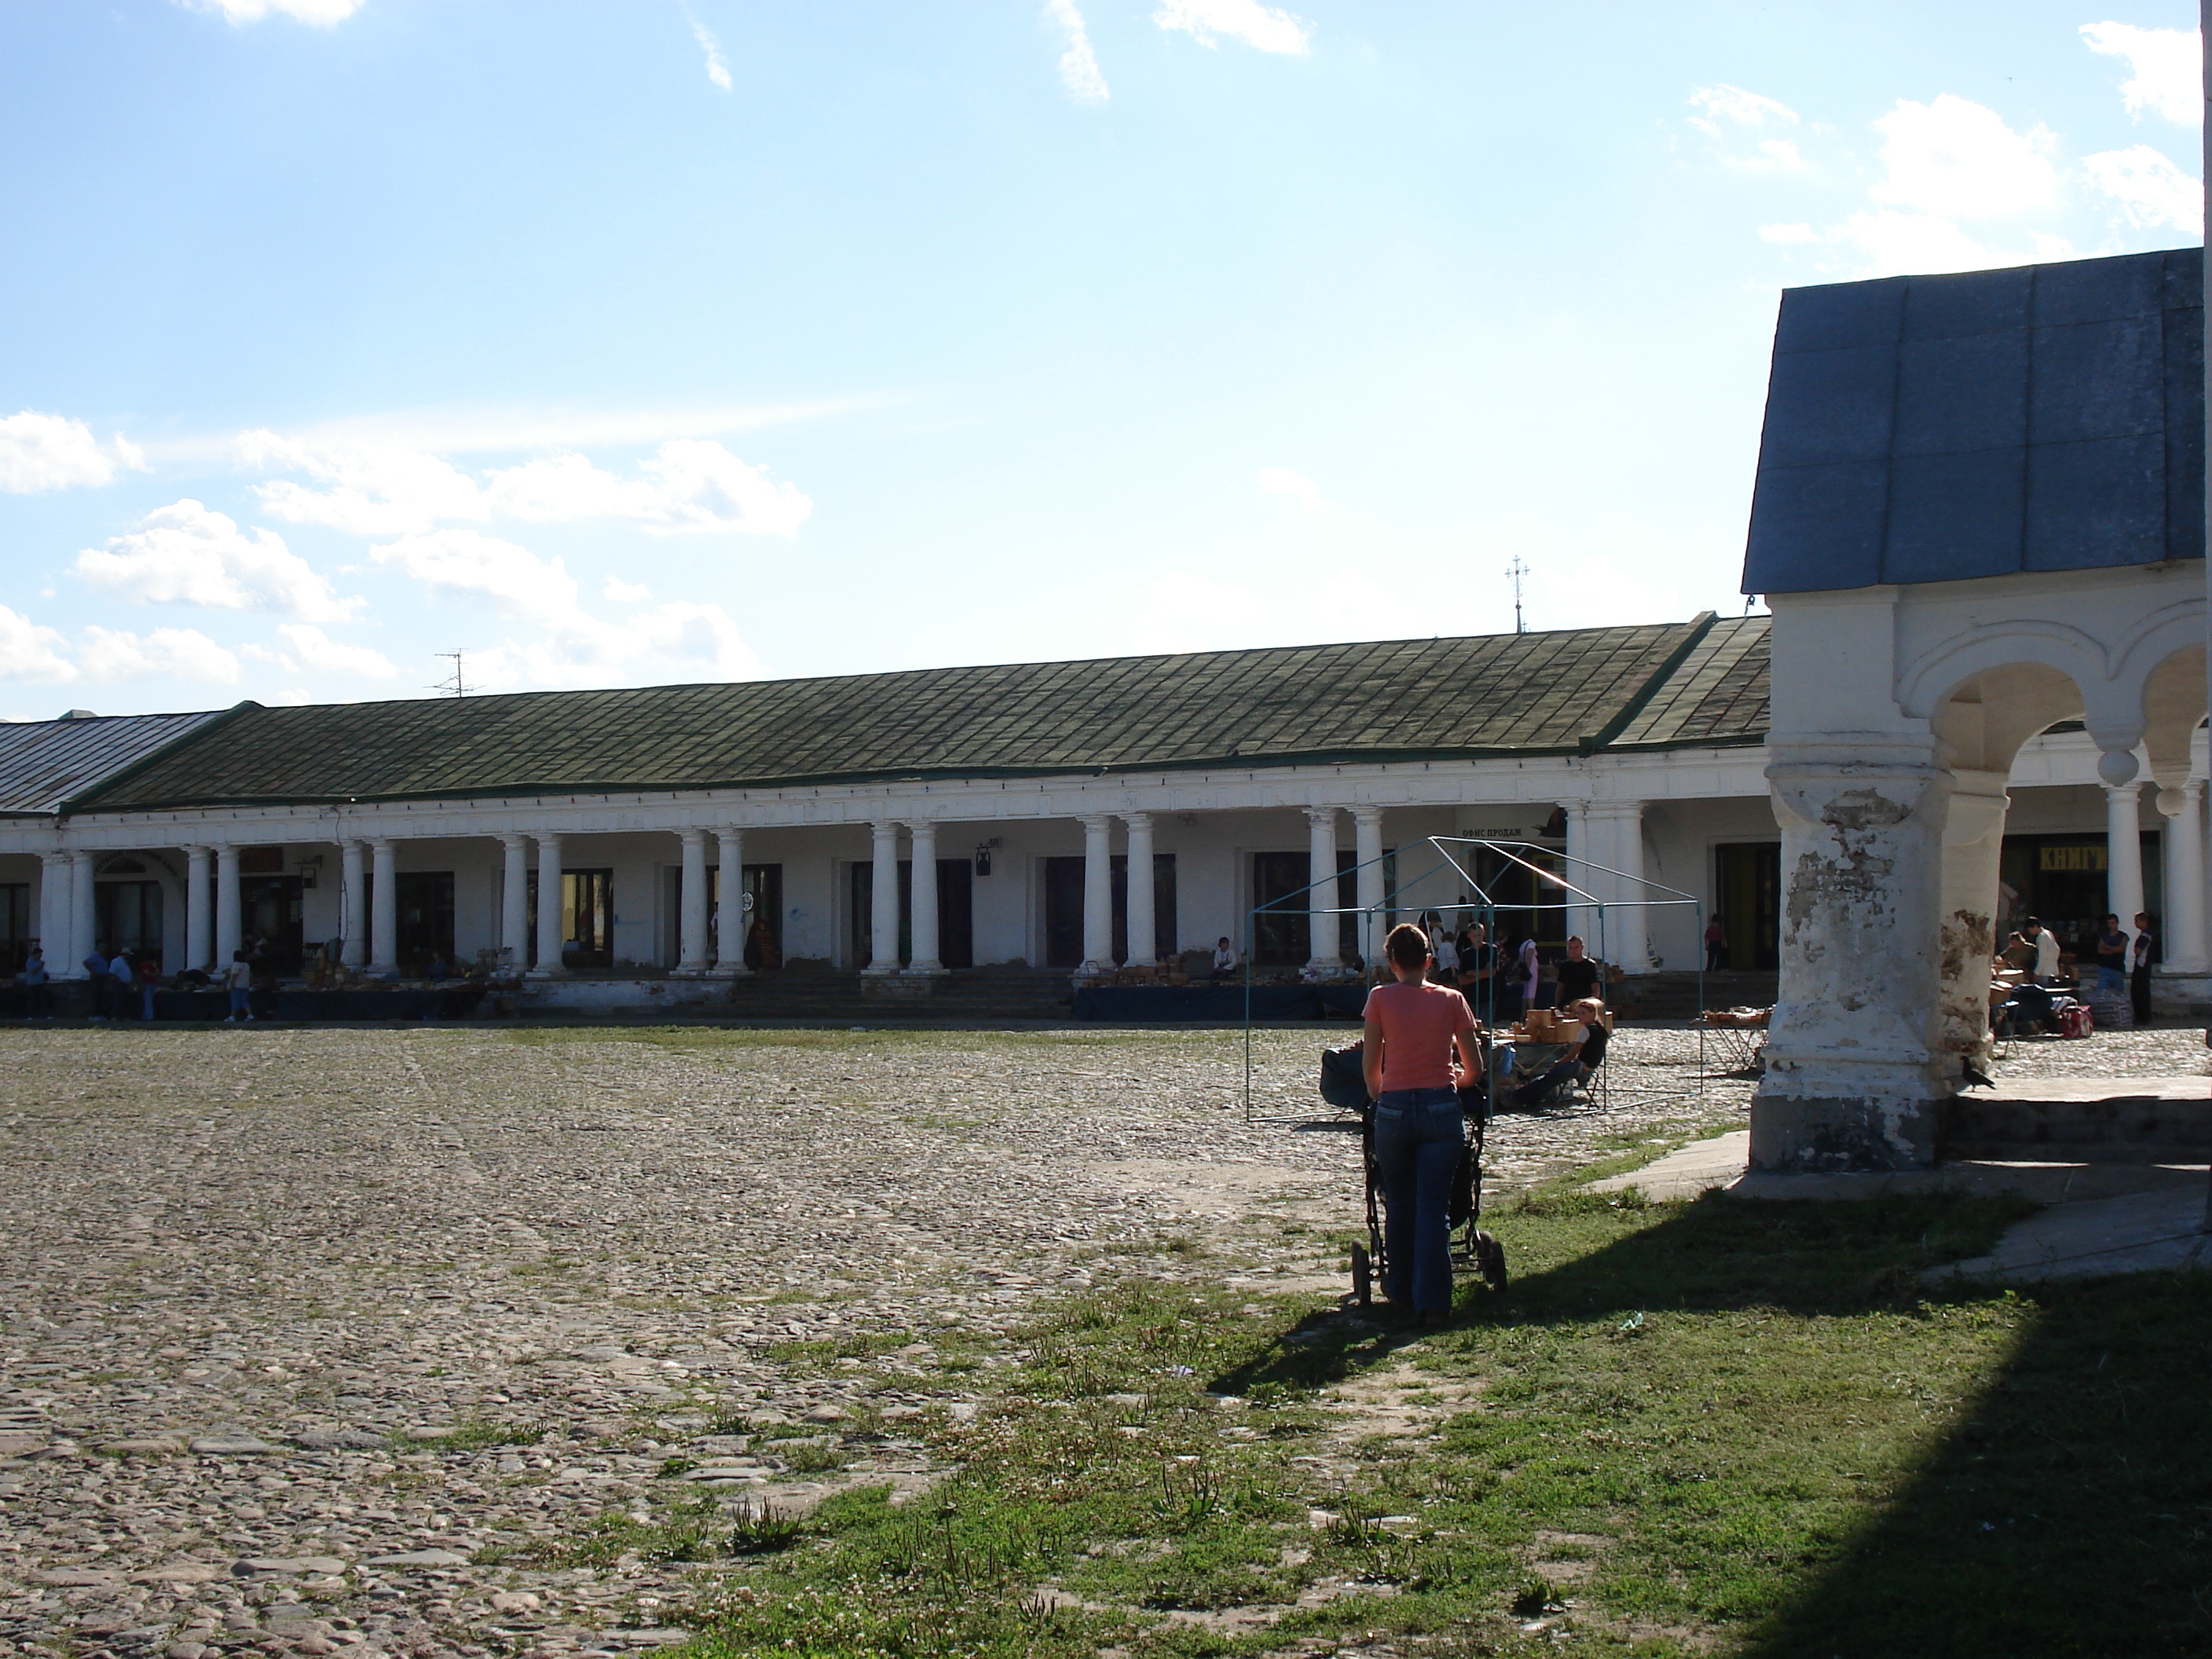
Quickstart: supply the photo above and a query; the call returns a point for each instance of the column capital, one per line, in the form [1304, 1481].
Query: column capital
[2119, 792]
[692, 837]
[1322, 815]
[1097, 822]
[1137, 821]
[921, 827]
[507, 838]
[1366, 812]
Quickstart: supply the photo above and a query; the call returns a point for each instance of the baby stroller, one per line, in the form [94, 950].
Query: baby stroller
[1343, 1085]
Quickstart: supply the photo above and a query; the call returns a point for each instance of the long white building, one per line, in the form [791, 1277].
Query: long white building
[406, 828]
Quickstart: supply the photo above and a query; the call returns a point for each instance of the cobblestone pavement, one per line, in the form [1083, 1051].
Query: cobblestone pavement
[324, 1341]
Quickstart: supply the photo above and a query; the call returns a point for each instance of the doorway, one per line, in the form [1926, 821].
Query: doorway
[1280, 936]
[956, 913]
[1163, 906]
[1747, 899]
[273, 909]
[588, 917]
[426, 917]
[2061, 881]
[1063, 909]
[760, 902]
[15, 925]
[127, 915]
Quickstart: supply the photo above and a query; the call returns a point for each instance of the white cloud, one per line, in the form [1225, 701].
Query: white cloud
[2149, 189]
[1294, 486]
[1894, 243]
[1721, 102]
[51, 451]
[678, 640]
[2168, 68]
[470, 562]
[188, 554]
[183, 653]
[1261, 27]
[1787, 234]
[717, 71]
[691, 484]
[1958, 159]
[323, 13]
[1078, 65]
[623, 593]
[31, 651]
[315, 649]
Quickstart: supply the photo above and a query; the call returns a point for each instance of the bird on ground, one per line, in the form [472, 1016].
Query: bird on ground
[1975, 1078]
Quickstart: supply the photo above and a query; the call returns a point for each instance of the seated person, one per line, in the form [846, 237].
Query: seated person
[1585, 1053]
[2019, 951]
[1224, 959]
[1579, 974]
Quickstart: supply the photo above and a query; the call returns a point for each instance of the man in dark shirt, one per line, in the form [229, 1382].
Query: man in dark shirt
[1585, 1054]
[1579, 974]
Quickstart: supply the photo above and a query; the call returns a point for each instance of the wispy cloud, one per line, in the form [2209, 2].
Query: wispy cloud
[1263, 28]
[323, 13]
[718, 70]
[188, 554]
[1743, 126]
[49, 451]
[569, 645]
[2148, 189]
[1078, 65]
[689, 484]
[171, 654]
[2166, 67]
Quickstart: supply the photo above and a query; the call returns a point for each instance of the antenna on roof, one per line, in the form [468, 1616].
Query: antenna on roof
[1515, 571]
[453, 685]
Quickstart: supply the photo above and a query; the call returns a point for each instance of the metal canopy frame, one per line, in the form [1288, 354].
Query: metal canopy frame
[1483, 906]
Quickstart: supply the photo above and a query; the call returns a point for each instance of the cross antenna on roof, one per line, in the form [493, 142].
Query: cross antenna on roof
[1516, 572]
[453, 685]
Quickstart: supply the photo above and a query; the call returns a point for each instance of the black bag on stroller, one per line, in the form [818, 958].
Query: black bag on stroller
[1343, 1082]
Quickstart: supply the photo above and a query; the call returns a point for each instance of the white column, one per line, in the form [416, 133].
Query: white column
[353, 926]
[229, 915]
[882, 898]
[550, 964]
[2185, 943]
[1143, 919]
[1973, 842]
[199, 923]
[384, 910]
[691, 905]
[1617, 829]
[731, 926]
[1367, 852]
[54, 913]
[1320, 870]
[514, 900]
[1098, 896]
[2123, 883]
[1855, 1061]
[928, 949]
[1579, 918]
[84, 917]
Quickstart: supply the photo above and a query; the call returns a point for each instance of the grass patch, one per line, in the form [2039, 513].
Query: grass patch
[475, 1436]
[1712, 1426]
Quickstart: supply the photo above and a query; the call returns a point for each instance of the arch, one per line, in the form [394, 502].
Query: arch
[1924, 686]
[2173, 704]
[1986, 719]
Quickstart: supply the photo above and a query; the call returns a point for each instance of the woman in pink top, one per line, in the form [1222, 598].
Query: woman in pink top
[1412, 1028]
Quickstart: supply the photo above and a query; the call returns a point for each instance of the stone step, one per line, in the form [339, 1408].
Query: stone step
[2104, 1120]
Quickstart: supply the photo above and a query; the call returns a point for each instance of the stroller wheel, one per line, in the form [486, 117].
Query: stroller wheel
[1490, 1261]
[1363, 1277]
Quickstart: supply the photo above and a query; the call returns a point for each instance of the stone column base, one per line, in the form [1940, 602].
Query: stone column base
[1823, 1134]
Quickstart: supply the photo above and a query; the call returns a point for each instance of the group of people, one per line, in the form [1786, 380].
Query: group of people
[120, 980]
[2123, 960]
[1420, 1049]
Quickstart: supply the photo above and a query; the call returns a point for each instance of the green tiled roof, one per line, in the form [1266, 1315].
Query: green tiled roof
[1718, 696]
[1502, 694]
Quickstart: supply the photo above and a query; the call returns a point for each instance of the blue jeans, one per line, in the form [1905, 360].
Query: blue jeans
[1417, 1144]
[240, 1003]
[2110, 980]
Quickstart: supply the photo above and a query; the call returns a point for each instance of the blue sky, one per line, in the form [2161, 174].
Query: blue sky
[630, 341]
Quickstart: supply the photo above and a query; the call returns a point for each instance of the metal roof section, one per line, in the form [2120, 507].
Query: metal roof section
[1931, 429]
[1499, 694]
[46, 764]
[1718, 697]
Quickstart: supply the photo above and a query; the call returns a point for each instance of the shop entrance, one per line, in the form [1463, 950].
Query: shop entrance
[1063, 909]
[956, 913]
[588, 917]
[1747, 890]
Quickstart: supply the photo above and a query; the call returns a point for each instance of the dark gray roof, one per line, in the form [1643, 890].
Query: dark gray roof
[1572, 691]
[45, 763]
[1926, 429]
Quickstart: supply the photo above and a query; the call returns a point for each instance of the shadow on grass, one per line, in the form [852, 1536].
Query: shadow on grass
[2063, 1506]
